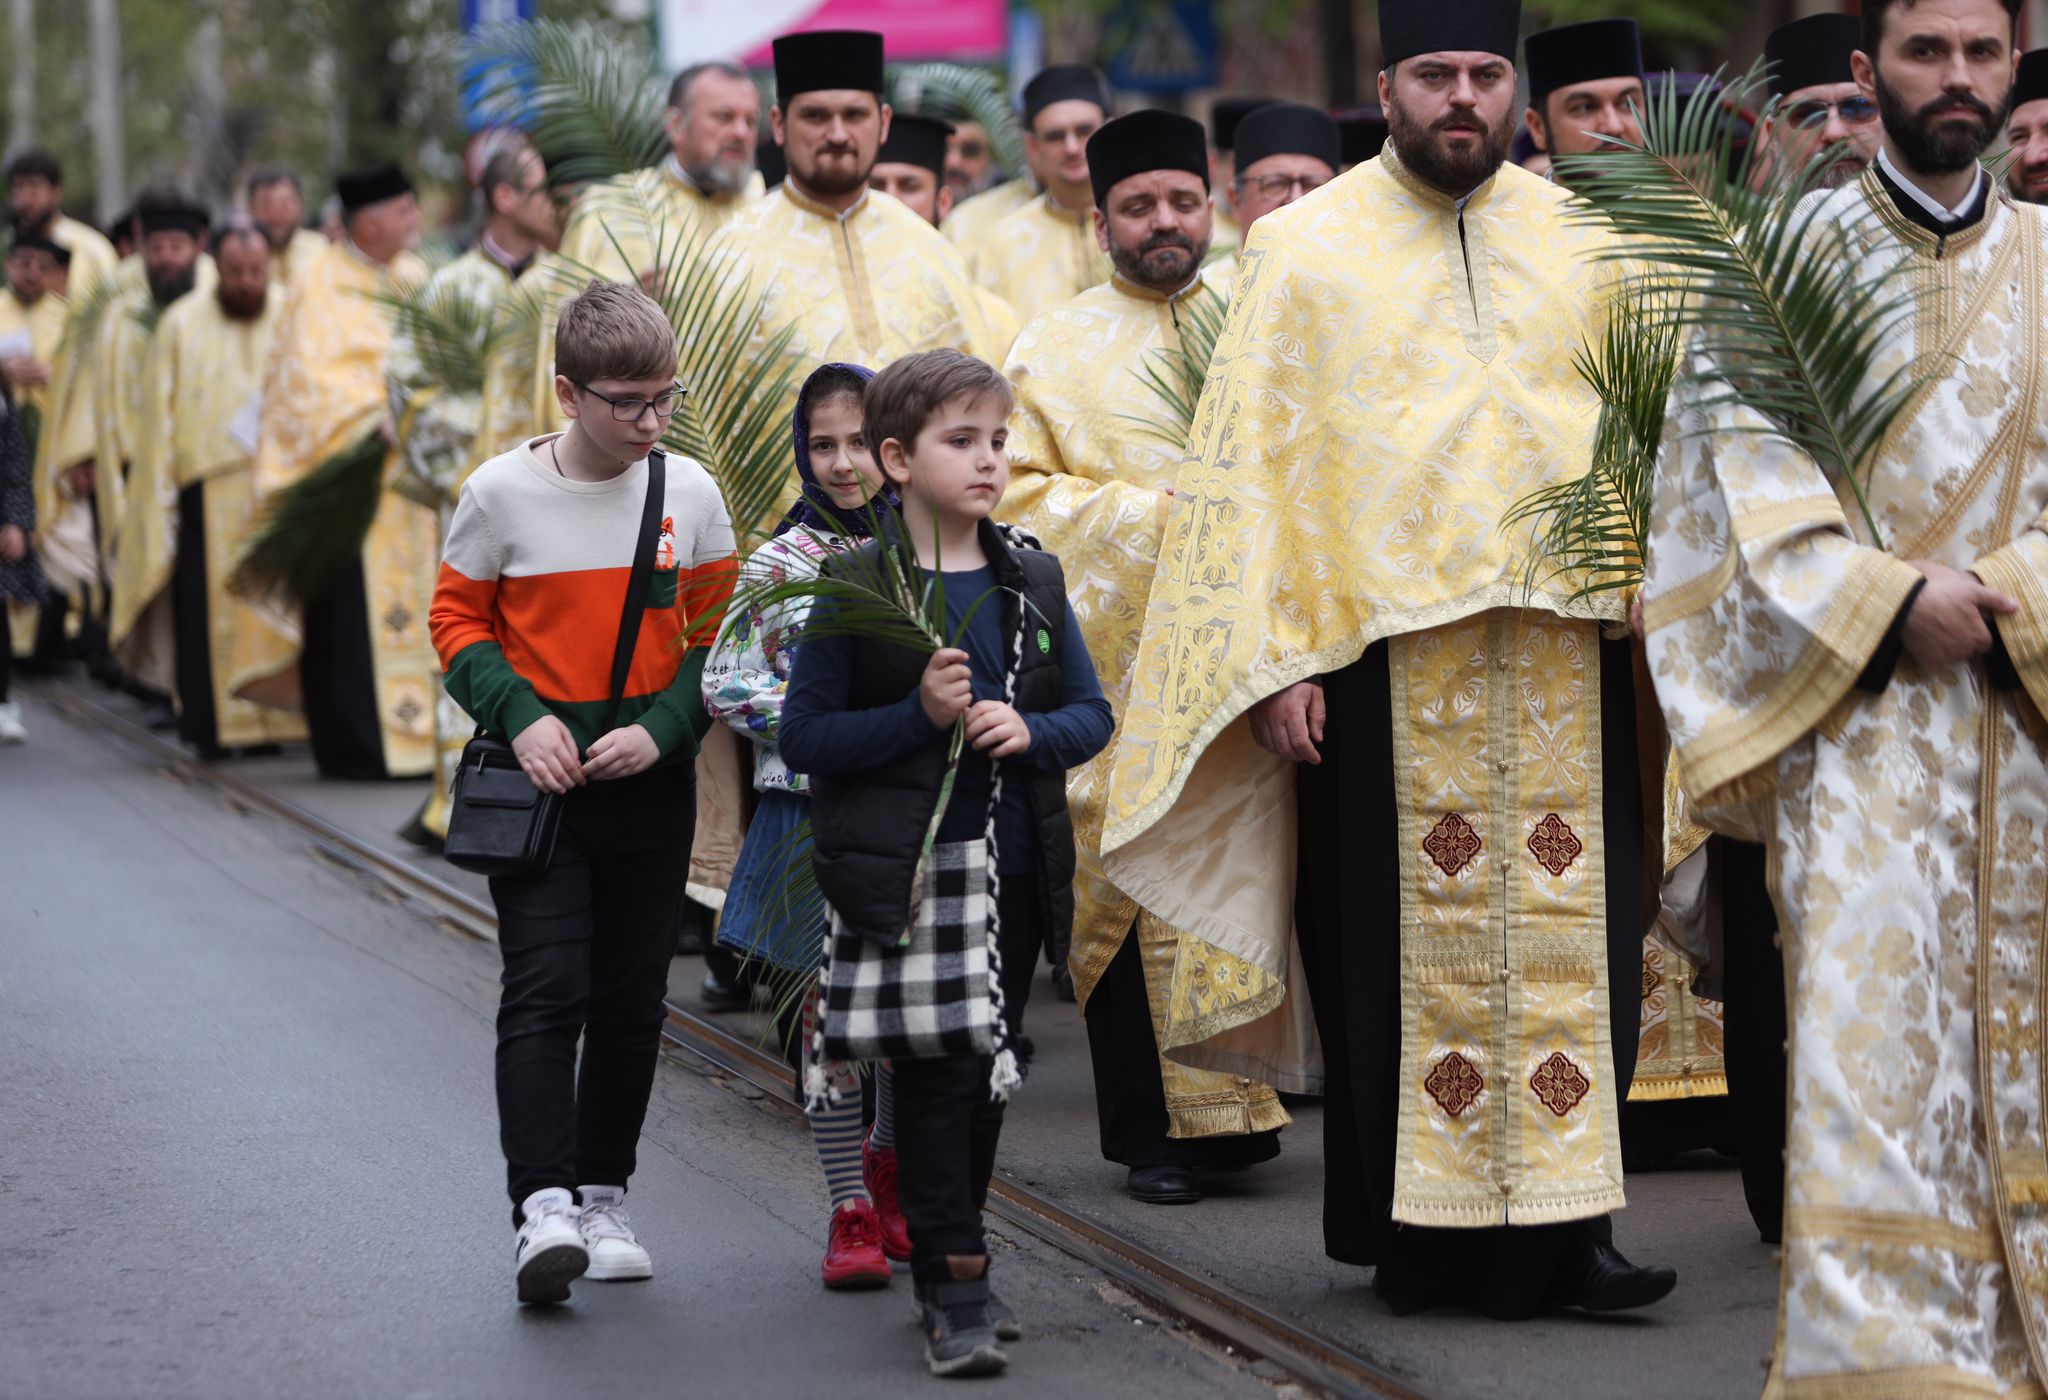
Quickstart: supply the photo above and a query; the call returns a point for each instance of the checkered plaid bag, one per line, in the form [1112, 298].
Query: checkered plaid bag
[930, 997]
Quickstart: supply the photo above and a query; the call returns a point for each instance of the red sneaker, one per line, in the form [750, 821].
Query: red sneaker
[853, 1254]
[878, 1170]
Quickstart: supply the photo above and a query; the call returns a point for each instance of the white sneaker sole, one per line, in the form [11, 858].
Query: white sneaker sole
[546, 1274]
[984, 1360]
[616, 1273]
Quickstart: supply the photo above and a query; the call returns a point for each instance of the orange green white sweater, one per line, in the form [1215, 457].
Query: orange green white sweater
[534, 574]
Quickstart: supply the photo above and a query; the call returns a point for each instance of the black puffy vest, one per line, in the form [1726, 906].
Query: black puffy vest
[867, 830]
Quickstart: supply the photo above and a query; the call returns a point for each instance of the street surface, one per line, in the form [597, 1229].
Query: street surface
[248, 1148]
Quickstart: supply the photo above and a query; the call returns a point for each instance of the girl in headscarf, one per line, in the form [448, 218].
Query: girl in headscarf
[745, 681]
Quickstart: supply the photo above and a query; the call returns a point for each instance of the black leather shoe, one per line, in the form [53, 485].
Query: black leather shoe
[1163, 1186]
[717, 994]
[1606, 1282]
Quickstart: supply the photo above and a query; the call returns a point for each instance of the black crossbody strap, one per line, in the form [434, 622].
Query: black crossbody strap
[639, 582]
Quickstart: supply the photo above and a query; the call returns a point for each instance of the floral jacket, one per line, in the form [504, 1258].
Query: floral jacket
[747, 674]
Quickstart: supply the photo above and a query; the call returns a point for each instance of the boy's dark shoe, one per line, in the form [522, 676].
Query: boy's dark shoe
[959, 1335]
[1003, 1318]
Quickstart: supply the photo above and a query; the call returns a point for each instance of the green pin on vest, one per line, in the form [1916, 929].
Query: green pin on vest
[1044, 641]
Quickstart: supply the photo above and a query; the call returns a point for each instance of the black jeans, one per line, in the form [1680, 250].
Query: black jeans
[947, 1122]
[587, 949]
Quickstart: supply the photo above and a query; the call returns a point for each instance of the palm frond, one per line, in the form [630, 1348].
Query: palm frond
[1785, 321]
[87, 313]
[971, 94]
[1597, 527]
[451, 328]
[591, 105]
[30, 417]
[316, 527]
[1175, 375]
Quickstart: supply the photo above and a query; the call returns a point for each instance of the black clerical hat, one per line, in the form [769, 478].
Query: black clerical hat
[1361, 133]
[1581, 53]
[1142, 141]
[1290, 129]
[827, 60]
[2032, 83]
[1226, 114]
[178, 215]
[1411, 27]
[915, 140]
[1812, 51]
[359, 189]
[1064, 82]
[41, 244]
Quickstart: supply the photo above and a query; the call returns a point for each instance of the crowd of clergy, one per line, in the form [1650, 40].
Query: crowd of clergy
[1385, 823]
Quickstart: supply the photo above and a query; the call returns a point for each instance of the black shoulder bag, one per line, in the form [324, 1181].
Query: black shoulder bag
[499, 823]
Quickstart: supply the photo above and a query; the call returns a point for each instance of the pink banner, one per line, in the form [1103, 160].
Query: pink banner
[911, 29]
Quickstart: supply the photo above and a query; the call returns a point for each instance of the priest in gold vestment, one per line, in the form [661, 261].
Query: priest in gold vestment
[1361, 755]
[31, 328]
[203, 381]
[1046, 251]
[1866, 697]
[357, 660]
[623, 227]
[1094, 448]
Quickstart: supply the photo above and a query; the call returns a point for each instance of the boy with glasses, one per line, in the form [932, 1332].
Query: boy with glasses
[525, 614]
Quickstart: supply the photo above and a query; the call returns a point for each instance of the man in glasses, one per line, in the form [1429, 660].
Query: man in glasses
[1819, 106]
[2026, 130]
[1585, 87]
[1094, 448]
[1284, 150]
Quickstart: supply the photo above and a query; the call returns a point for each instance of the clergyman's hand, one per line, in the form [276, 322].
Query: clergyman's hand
[1289, 724]
[13, 544]
[1947, 621]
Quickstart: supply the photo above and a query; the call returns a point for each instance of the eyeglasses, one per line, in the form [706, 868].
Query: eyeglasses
[1813, 115]
[1277, 186]
[629, 410]
[969, 150]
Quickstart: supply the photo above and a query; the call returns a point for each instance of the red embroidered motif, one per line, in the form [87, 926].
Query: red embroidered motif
[1558, 1084]
[1554, 845]
[1454, 1084]
[1452, 844]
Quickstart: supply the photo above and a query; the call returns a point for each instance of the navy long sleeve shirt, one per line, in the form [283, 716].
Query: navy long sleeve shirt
[819, 735]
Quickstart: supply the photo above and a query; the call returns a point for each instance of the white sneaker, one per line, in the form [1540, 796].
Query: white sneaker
[551, 1254]
[11, 731]
[614, 1253]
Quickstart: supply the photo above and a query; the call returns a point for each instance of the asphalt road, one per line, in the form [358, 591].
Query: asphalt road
[248, 1148]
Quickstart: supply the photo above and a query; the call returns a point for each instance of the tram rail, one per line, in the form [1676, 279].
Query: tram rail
[1236, 1319]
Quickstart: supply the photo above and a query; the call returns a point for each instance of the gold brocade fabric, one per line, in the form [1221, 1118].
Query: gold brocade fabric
[1093, 452]
[1040, 256]
[616, 231]
[1392, 378]
[65, 536]
[865, 287]
[43, 319]
[296, 256]
[323, 390]
[203, 372]
[92, 256]
[1003, 324]
[1508, 1111]
[1680, 1047]
[972, 218]
[1903, 828]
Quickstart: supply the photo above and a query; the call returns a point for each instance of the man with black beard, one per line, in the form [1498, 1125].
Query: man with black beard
[1094, 449]
[2026, 130]
[190, 492]
[173, 231]
[1411, 774]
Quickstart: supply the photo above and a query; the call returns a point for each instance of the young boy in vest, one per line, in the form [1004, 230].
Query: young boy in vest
[526, 616]
[870, 722]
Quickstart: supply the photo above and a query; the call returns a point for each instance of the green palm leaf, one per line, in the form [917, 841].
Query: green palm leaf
[591, 105]
[452, 331]
[316, 527]
[968, 94]
[1759, 285]
[1176, 375]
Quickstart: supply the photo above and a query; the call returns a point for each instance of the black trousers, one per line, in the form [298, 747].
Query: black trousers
[587, 948]
[6, 656]
[197, 723]
[1348, 919]
[1130, 1097]
[338, 677]
[947, 1122]
[1754, 1029]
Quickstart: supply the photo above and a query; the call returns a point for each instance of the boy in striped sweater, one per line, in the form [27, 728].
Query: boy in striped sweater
[525, 617]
